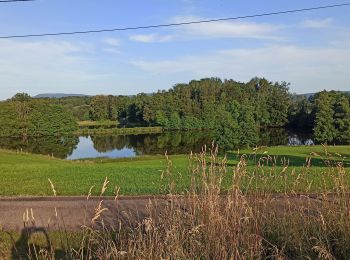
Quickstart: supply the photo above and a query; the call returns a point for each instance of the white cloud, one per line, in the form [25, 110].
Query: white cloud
[44, 66]
[343, 41]
[112, 50]
[148, 38]
[307, 69]
[112, 45]
[114, 42]
[213, 30]
[227, 29]
[317, 24]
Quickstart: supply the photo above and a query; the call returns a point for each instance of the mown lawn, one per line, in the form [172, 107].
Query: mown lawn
[28, 174]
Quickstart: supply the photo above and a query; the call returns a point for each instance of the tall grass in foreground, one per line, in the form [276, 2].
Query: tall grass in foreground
[207, 223]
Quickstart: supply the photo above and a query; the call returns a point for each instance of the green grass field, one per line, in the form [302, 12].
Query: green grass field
[266, 171]
[28, 174]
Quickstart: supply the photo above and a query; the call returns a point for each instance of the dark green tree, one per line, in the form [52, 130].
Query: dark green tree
[174, 121]
[227, 131]
[162, 119]
[34, 118]
[278, 105]
[324, 130]
[342, 119]
[191, 122]
[99, 108]
[248, 127]
[21, 97]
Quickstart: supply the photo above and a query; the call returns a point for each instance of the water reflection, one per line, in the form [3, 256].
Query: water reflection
[87, 148]
[171, 142]
[133, 145]
[282, 136]
[59, 147]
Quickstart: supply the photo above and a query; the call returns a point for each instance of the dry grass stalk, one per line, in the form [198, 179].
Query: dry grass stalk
[52, 188]
[210, 222]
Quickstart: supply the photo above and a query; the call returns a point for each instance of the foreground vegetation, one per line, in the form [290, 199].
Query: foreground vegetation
[272, 169]
[210, 225]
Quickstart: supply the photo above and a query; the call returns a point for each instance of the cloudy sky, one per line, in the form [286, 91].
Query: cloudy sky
[310, 50]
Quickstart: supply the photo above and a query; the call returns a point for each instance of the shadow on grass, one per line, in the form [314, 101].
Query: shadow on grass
[24, 248]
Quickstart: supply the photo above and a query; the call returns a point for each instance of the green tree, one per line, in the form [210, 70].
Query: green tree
[10, 125]
[324, 130]
[34, 118]
[21, 97]
[48, 119]
[174, 121]
[248, 127]
[209, 116]
[342, 119]
[99, 108]
[81, 113]
[161, 119]
[21, 103]
[191, 122]
[278, 104]
[227, 131]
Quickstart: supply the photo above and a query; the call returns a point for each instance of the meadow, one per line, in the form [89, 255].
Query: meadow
[228, 212]
[270, 169]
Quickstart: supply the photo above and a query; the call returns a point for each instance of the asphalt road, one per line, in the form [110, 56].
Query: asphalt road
[71, 213]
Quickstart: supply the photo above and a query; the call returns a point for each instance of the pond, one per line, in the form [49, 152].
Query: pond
[121, 146]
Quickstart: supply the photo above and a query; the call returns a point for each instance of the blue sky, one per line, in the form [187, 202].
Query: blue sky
[310, 50]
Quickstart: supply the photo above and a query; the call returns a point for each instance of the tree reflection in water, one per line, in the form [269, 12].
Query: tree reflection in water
[143, 144]
[59, 147]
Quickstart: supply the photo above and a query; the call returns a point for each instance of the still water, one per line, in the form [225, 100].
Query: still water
[121, 146]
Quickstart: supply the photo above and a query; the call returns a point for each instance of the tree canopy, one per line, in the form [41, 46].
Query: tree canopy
[22, 116]
[234, 110]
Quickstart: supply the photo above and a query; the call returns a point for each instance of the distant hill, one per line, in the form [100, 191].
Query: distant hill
[58, 95]
[62, 95]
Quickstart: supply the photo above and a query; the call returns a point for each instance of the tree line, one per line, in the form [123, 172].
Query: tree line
[191, 106]
[235, 111]
[23, 116]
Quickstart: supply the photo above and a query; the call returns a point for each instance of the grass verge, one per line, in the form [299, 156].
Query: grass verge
[97, 123]
[270, 169]
[119, 131]
[205, 224]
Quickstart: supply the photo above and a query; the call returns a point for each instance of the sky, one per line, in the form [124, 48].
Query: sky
[310, 50]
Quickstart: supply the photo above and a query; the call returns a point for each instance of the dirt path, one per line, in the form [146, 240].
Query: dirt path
[74, 212]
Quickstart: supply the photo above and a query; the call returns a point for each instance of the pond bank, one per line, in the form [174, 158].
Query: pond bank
[119, 131]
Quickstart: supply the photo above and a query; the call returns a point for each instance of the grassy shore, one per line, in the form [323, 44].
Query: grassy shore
[275, 169]
[97, 123]
[119, 131]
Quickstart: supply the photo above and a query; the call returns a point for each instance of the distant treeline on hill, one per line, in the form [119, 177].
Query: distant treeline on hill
[234, 110]
[57, 95]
